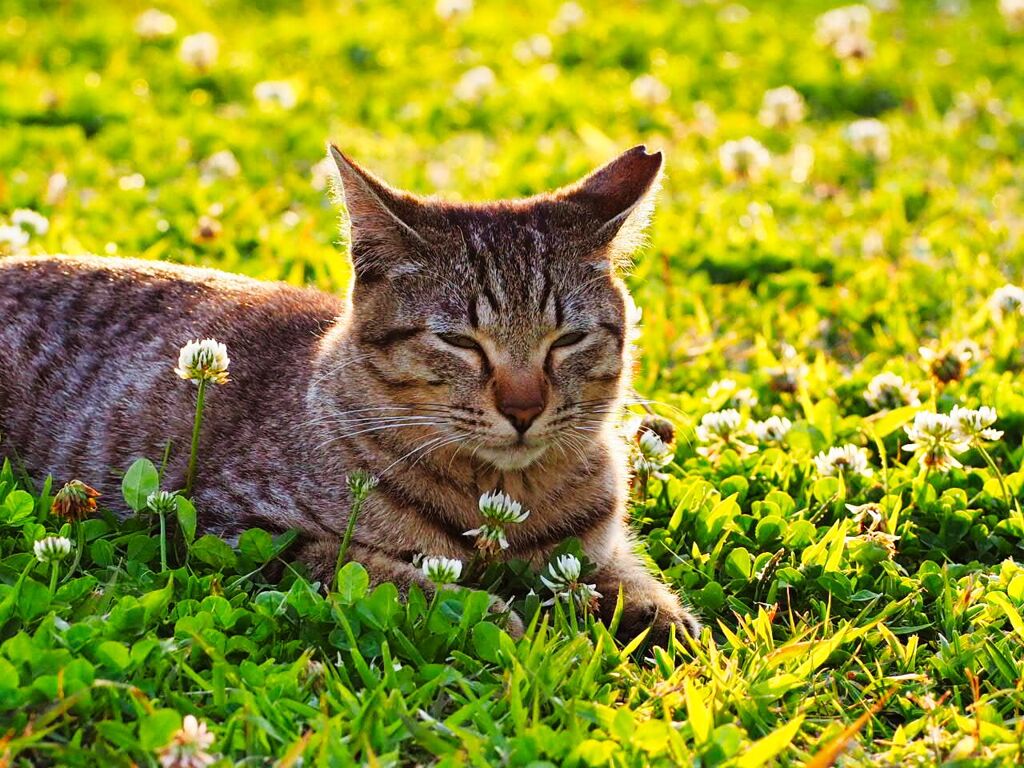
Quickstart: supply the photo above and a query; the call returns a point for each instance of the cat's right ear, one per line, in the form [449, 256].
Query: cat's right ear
[381, 220]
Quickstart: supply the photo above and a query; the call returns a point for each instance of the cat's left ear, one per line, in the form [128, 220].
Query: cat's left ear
[620, 196]
[382, 221]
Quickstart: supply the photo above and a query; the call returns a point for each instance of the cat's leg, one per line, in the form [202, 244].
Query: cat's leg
[648, 602]
[320, 555]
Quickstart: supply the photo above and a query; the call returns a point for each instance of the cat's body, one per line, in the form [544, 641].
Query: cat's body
[447, 374]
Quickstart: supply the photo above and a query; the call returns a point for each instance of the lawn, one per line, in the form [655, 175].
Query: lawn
[829, 280]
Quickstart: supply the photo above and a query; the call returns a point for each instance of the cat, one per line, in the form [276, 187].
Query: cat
[482, 346]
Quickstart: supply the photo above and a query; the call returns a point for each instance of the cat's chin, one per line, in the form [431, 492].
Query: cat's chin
[511, 458]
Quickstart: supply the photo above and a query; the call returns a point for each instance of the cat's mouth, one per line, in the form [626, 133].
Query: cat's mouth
[515, 456]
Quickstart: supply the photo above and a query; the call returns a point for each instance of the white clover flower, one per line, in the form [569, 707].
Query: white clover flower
[562, 578]
[652, 454]
[1013, 12]
[153, 24]
[649, 90]
[870, 138]
[205, 360]
[30, 220]
[781, 107]
[12, 238]
[499, 510]
[853, 46]
[745, 158]
[1008, 300]
[868, 517]
[220, 165]
[441, 570]
[499, 507]
[533, 48]
[737, 397]
[975, 425]
[843, 460]
[570, 16]
[199, 51]
[935, 438]
[772, 430]
[887, 391]
[131, 182]
[52, 549]
[188, 746]
[832, 26]
[161, 502]
[475, 84]
[448, 10]
[720, 430]
[886, 541]
[275, 93]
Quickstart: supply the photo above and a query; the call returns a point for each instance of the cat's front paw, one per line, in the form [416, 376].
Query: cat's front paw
[660, 618]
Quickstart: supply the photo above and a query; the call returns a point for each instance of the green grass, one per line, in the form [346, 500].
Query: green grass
[839, 273]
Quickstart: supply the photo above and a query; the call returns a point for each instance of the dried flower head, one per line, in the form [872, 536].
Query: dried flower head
[745, 158]
[660, 426]
[205, 360]
[786, 378]
[188, 746]
[845, 460]
[75, 501]
[781, 107]
[950, 363]
[887, 391]
[562, 577]
[846, 31]
[441, 571]
[935, 439]
[52, 549]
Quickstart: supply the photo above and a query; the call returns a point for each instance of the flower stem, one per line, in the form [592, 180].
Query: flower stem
[999, 476]
[53, 577]
[79, 545]
[200, 402]
[163, 541]
[353, 517]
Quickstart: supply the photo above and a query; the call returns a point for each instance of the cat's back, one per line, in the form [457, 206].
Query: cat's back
[88, 346]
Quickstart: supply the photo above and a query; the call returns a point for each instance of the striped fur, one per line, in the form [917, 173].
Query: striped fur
[456, 312]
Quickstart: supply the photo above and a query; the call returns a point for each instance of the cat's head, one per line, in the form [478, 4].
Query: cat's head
[503, 326]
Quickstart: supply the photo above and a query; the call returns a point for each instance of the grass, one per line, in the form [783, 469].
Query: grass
[825, 640]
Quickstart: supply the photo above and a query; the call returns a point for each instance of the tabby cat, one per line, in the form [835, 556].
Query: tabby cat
[482, 346]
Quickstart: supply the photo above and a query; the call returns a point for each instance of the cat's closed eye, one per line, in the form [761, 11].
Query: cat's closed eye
[569, 339]
[460, 340]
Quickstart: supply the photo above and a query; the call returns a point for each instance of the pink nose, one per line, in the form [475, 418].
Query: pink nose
[520, 396]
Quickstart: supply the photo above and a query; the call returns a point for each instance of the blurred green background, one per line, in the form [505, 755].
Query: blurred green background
[136, 137]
